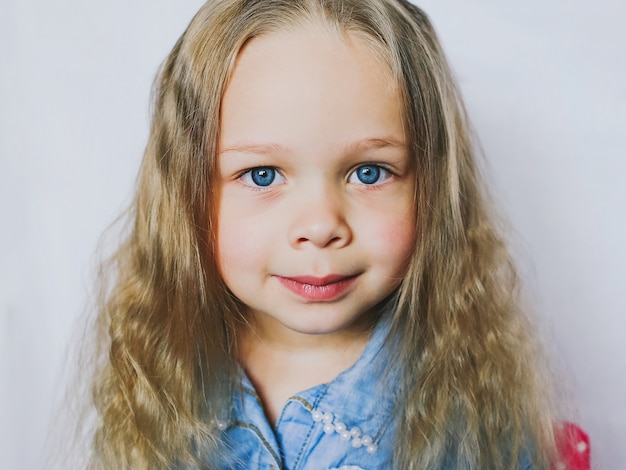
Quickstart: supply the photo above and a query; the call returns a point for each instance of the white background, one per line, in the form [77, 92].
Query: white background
[544, 81]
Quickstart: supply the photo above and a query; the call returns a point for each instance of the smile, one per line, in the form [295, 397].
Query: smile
[320, 289]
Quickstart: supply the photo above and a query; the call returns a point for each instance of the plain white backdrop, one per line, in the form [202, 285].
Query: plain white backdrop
[545, 85]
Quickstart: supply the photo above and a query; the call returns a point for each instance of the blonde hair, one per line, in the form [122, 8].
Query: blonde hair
[472, 387]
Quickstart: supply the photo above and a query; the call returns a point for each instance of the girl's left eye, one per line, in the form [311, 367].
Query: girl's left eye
[369, 175]
[262, 177]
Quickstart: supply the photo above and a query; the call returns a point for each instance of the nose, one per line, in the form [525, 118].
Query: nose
[320, 221]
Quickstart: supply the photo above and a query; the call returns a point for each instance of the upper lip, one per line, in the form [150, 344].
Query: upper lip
[320, 281]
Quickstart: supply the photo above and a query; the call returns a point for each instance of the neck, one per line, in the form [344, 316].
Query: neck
[267, 332]
[281, 364]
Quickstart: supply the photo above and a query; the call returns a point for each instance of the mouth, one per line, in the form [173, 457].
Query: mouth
[319, 289]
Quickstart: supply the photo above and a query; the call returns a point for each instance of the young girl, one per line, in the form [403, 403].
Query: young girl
[313, 279]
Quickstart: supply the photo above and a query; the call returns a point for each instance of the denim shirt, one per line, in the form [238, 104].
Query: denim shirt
[346, 424]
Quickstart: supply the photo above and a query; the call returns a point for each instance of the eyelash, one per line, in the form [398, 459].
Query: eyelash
[248, 176]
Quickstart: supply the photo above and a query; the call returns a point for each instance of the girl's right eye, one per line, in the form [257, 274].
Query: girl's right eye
[262, 177]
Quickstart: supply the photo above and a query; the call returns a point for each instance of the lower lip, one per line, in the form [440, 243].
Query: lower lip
[324, 293]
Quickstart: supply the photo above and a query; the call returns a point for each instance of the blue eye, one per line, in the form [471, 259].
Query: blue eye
[369, 174]
[262, 176]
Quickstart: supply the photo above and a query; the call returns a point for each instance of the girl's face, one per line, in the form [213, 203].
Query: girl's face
[316, 215]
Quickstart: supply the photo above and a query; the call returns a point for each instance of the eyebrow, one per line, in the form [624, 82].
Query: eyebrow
[257, 149]
[374, 144]
[356, 146]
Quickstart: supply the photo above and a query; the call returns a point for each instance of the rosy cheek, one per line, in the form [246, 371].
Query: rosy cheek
[241, 245]
[399, 238]
[231, 238]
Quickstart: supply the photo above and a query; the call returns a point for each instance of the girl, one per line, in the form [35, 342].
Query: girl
[313, 279]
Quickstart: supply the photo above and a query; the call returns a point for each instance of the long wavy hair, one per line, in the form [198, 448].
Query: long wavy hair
[472, 388]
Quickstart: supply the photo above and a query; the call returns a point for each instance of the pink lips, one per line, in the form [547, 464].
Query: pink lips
[321, 289]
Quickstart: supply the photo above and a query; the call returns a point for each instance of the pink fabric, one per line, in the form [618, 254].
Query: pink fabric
[573, 448]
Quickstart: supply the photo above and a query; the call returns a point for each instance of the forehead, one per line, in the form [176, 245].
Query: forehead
[309, 81]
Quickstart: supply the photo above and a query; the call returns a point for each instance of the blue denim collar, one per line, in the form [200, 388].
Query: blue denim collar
[357, 401]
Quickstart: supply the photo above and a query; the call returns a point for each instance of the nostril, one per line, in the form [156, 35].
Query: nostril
[327, 242]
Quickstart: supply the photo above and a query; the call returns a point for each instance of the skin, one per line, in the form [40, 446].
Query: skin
[312, 112]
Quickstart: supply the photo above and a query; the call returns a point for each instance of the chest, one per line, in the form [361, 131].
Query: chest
[313, 431]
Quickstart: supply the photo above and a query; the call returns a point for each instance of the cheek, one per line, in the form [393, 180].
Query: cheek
[232, 239]
[397, 239]
[242, 245]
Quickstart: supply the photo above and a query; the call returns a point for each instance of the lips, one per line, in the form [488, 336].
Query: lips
[320, 289]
